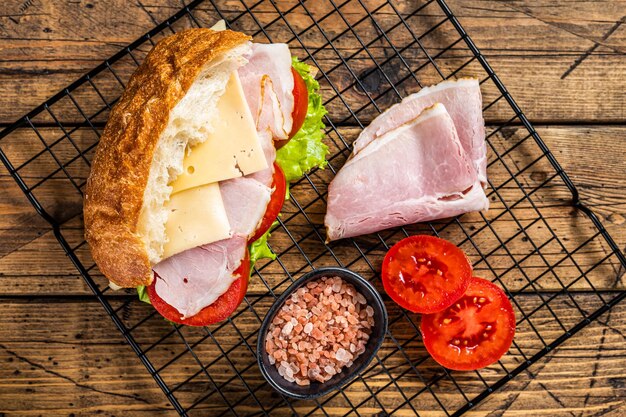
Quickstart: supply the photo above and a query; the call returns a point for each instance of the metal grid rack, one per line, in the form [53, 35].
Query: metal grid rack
[401, 47]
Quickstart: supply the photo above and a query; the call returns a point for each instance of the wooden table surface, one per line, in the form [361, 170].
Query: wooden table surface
[565, 64]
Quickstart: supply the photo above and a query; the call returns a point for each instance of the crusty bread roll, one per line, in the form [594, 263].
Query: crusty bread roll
[169, 102]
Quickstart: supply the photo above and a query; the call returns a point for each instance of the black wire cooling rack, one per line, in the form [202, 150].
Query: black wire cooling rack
[369, 55]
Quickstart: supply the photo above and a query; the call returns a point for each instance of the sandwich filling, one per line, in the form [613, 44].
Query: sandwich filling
[221, 196]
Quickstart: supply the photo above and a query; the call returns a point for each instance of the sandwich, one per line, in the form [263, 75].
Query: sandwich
[193, 167]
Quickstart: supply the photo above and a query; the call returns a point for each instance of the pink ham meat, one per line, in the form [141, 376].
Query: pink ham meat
[195, 278]
[267, 83]
[415, 173]
[463, 102]
[265, 176]
[245, 200]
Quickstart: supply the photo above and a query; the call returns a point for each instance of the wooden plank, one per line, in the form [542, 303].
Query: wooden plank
[553, 86]
[32, 262]
[85, 367]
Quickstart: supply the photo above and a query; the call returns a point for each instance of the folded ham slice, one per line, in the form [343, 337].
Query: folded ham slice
[414, 173]
[267, 83]
[463, 102]
[265, 176]
[195, 278]
[245, 200]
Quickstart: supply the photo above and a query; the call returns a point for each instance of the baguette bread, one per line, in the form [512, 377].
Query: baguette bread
[168, 103]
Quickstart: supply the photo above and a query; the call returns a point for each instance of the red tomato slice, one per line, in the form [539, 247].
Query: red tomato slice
[300, 102]
[275, 205]
[300, 106]
[425, 274]
[474, 332]
[220, 310]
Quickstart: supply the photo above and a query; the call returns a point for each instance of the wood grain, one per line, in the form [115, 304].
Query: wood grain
[532, 46]
[562, 61]
[84, 366]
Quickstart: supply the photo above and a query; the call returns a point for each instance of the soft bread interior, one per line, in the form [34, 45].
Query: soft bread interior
[189, 123]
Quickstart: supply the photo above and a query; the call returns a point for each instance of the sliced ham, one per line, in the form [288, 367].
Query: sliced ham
[192, 280]
[265, 176]
[245, 200]
[463, 102]
[267, 83]
[414, 173]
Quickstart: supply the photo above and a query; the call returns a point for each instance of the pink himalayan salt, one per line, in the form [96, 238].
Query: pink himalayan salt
[322, 328]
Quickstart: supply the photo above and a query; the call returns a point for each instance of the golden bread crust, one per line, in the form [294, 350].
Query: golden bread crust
[121, 166]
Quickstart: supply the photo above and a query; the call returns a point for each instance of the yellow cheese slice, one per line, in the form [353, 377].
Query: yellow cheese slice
[232, 150]
[196, 217]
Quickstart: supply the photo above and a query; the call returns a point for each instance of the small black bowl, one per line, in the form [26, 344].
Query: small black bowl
[318, 389]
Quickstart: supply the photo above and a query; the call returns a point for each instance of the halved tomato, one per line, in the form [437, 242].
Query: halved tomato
[425, 274]
[474, 332]
[300, 107]
[279, 184]
[221, 308]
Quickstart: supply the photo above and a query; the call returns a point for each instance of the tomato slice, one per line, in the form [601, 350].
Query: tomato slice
[221, 308]
[300, 107]
[474, 332]
[425, 274]
[279, 184]
[300, 102]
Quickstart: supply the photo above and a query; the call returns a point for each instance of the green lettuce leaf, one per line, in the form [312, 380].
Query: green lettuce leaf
[259, 249]
[305, 150]
[142, 292]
